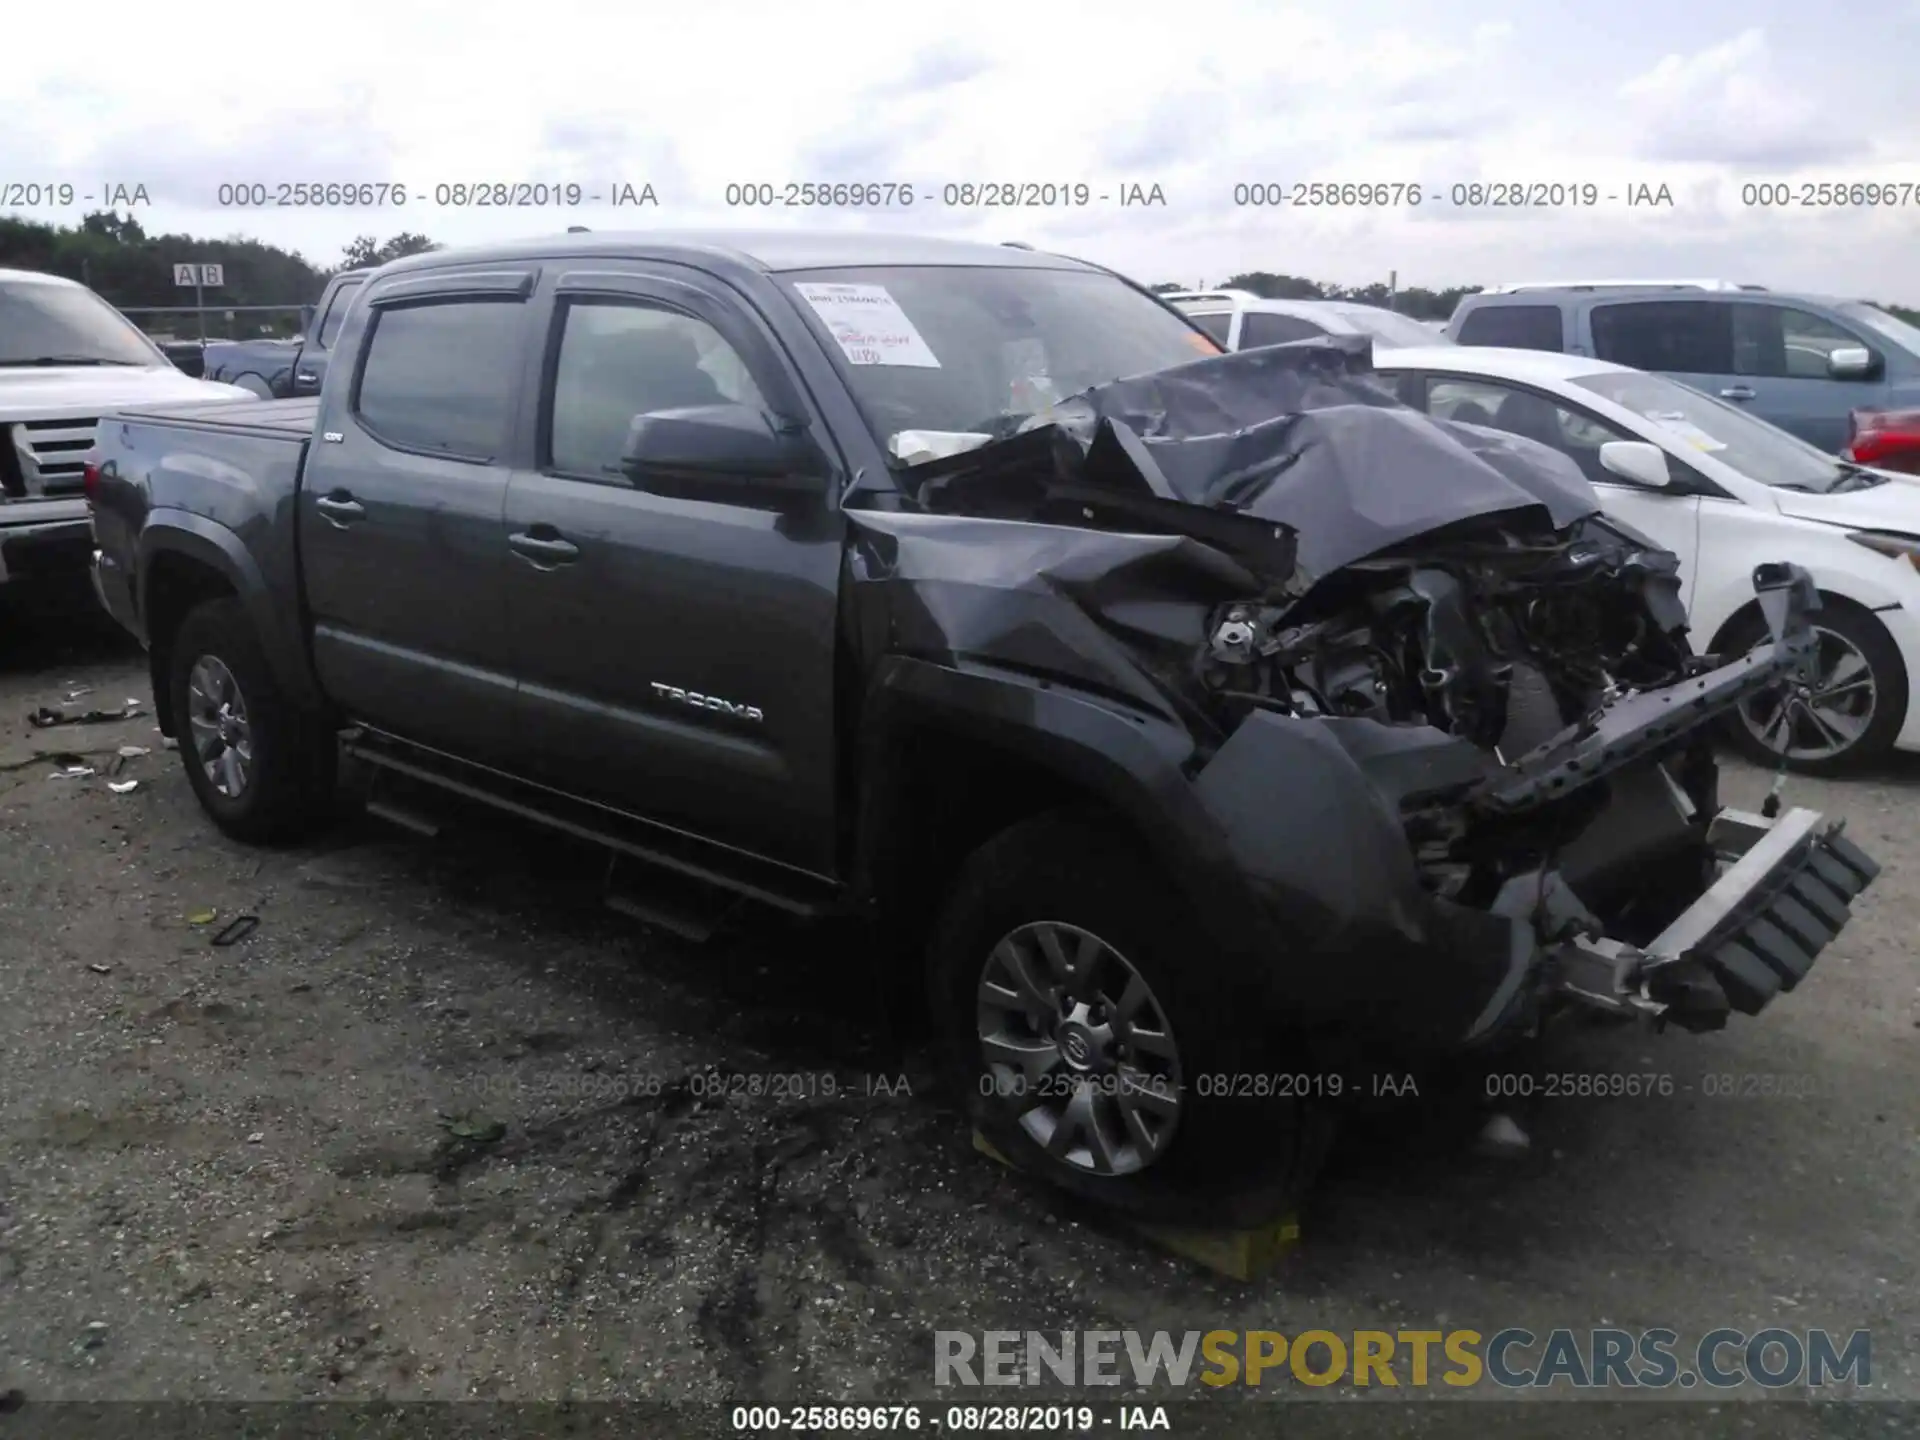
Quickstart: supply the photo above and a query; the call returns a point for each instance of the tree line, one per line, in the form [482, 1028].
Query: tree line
[115, 256]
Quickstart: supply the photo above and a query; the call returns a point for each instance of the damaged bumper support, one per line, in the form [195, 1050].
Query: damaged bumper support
[1785, 885]
[1782, 899]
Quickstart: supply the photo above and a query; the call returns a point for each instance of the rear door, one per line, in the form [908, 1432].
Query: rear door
[1670, 517]
[1686, 340]
[402, 542]
[676, 655]
[1781, 352]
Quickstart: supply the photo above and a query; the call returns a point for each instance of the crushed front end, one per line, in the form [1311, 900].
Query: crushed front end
[1448, 731]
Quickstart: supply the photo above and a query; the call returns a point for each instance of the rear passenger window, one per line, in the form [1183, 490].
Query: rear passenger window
[440, 377]
[1259, 328]
[1516, 327]
[619, 360]
[1688, 337]
[1217, 325]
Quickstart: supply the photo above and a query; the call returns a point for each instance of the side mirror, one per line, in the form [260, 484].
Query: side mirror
[713, 446]
[1851, 362]
[1636, 461]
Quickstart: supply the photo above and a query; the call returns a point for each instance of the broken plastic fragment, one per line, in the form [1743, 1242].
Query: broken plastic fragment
[123, 787]
[202, 917]
[915, 447]
[1501, 1136]
[74, 772]
[480, 1132]
[133, 752]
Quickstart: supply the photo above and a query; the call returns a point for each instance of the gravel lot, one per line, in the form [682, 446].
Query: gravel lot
[275, 1170]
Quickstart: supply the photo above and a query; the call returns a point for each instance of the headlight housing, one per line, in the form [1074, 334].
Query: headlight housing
[1899, 547]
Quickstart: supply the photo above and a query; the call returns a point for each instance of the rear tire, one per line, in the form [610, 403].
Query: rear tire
[260, 766]
[1155, 1013]
[1865, 698]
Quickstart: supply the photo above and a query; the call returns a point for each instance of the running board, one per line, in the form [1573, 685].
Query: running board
[780, 887]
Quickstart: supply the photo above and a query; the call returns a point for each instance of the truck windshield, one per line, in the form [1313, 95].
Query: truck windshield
[44, 324]
[1906, 336]
[977, 350]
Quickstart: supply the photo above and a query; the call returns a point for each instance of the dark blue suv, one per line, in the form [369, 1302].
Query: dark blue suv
[1803, 362]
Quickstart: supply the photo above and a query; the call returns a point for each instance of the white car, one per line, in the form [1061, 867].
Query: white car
[67, 357]
[1724, 491]
[1241, 320]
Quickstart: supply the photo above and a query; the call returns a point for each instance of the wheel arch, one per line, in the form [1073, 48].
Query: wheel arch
[947, 759]
[186, 560]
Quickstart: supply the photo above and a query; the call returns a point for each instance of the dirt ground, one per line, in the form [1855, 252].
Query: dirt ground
[443, 1128]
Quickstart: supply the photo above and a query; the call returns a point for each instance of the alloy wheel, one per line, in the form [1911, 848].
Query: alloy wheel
[1824, 718]
[217, 723]
[1076, 1041]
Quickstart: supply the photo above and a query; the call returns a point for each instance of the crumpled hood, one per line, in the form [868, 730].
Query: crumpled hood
[1300, 436]
[88, 391]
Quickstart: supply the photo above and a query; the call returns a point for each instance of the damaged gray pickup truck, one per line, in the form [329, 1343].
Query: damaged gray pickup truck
[1185, 724]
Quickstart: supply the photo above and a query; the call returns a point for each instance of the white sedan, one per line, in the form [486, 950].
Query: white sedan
[1724, 492]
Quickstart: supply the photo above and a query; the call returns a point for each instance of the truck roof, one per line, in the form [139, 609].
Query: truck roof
[769, 251]
[38, 277]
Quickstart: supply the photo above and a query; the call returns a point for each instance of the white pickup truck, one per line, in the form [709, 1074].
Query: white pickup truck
[67, 357]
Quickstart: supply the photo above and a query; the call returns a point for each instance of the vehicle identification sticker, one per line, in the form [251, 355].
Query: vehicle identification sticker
[1685, 429]
[868, 325]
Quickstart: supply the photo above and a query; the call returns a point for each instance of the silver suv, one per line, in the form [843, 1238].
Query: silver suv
[1806, 363]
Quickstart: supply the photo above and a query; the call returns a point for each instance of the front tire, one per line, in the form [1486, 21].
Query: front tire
[1855, 709]
[1100, 1043]
[262, 768]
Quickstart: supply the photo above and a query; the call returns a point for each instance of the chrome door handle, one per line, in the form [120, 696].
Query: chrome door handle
[340, 509]
[1737, 392]
[544, 550]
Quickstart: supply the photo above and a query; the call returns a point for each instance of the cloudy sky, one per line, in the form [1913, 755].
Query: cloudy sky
[1707, 98]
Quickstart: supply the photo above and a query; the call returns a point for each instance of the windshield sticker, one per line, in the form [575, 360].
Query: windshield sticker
[1674, 421]
[868, 325]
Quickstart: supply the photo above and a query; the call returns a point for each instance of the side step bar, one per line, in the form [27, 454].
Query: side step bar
[709, 866]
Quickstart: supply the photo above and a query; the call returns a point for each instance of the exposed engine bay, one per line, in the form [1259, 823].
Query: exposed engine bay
[1439, 700]
[1501, 640]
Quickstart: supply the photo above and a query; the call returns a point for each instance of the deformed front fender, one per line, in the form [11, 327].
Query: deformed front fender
[1286, 842]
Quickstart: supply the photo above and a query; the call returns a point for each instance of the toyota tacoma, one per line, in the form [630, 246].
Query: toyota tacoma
[1171, 717]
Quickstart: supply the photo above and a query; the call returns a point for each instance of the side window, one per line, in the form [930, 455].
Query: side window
[1689, 337]
[1577, 434]
[336, 315]
[1259, 327]
[1776, 342]
[619, 359]
[440, 376]
[1517, 327]
[1216, 323]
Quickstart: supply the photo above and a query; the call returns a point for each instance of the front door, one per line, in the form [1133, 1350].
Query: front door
[676, 655]
[402, 545]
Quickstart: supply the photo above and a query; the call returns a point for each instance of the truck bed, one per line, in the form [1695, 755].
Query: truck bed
[277, 419]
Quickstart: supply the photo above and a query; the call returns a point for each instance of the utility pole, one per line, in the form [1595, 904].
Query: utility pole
[1393, 290]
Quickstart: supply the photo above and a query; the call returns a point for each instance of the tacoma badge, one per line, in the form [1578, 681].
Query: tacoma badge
[708, 702]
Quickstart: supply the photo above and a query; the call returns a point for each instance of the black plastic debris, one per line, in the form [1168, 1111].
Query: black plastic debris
[235, 930]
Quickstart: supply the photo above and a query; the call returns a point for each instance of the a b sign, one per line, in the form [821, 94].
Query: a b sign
[199, 275]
